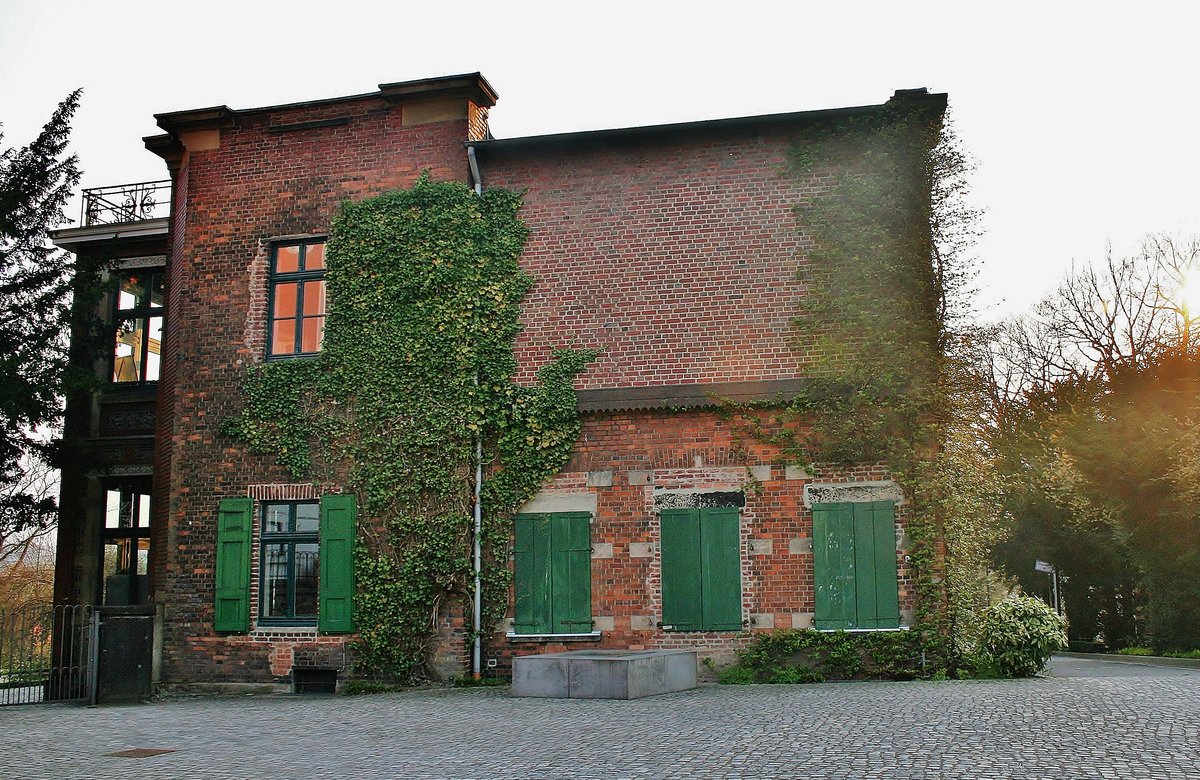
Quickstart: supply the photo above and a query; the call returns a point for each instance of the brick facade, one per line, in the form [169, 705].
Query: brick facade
[674, 250]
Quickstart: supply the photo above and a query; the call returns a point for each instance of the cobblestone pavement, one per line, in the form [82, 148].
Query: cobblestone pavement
[1123, 725]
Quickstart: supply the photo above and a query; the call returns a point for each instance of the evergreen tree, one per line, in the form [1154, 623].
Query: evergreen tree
[35, 296]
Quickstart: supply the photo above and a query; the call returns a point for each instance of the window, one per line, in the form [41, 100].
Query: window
[297, 300]
[854, 565]
[553, 573]
[290, 552]
[138, 318]
[701, 569]
[306, 557]
[125, 543]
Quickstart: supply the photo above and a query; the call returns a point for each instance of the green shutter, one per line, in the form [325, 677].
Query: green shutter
[679, 542]
[571, 572]
[833, 566]
[720, 569]
[875, 565]
[336, 615]
[531, 574]
[231, 607]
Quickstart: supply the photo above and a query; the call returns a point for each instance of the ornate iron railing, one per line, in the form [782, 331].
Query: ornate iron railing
[126, 202]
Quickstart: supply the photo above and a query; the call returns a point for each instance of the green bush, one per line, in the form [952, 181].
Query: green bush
[804, 656]
[1019, 635]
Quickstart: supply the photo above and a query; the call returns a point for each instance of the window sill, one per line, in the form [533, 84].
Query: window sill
[590, 636]
[860, 630]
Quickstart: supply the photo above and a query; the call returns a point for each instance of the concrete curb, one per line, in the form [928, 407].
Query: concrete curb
[1144, 660]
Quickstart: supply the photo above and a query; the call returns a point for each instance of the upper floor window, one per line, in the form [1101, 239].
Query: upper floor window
[297, 303]
[138, 318]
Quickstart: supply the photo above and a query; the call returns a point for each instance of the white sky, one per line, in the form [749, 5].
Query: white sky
[1082, 116]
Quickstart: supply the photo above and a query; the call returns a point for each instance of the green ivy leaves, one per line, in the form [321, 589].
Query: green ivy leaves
[424, 300]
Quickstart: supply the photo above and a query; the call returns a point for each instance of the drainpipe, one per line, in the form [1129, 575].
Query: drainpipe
[476, 660]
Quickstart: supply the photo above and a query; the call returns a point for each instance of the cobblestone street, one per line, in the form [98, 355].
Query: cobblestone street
[1102, 721]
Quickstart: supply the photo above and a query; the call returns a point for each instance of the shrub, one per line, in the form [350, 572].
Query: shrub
[804, 656]
[1019, 635]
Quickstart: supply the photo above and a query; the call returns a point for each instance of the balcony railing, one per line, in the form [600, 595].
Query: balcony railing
[126, 203]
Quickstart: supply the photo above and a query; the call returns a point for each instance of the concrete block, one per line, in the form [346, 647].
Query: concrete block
[761, 473]
[508, 625]
[641, 549]
[541, 675]
[801, 545]
[907, 617]
[604, 674]
[642, 623]
[641, 477]
[763, 620]
[602, 550]
[902, 540]
[802, 620]
[603, 623]
[796, 472]
[761, 546]
[600, 479]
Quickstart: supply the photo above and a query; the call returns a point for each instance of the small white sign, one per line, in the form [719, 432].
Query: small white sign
[1043, 566]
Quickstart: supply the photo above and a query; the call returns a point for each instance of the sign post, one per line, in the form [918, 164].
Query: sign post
[1048, 568]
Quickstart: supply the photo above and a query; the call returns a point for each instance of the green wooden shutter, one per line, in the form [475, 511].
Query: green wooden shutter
[875, 565]
[720, 569]
[571, 572]
[231, 608]
[531, 574]
[679, 542]
[336, 614]
[833, 566]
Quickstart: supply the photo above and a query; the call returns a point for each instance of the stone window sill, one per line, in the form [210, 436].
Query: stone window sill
[590, 636]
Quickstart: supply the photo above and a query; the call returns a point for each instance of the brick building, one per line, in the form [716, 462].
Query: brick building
[674, 248]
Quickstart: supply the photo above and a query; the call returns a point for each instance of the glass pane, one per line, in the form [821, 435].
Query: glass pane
[112, 509]
[143, 517]
[275, 597]
[306, 579]
[143, 556]
[277, 519]
[287, 259]
[154, 350]
[314, 330]
[314, 298]
[285, 300]
[118, 585]
[127, 355]
[283, 339]
[314, 257]
[158, 289]
[308, 518]
[126, 518]
[130, 291]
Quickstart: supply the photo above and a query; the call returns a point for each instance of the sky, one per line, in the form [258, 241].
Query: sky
[1082, 118]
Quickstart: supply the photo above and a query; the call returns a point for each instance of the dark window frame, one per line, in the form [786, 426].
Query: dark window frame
[298, 277]
[291, 538]
[140, 311]
[133, 532]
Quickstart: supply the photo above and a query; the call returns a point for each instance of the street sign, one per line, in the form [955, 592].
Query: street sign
[1043, 566]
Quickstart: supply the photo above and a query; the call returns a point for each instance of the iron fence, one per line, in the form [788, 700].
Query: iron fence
[47, 653]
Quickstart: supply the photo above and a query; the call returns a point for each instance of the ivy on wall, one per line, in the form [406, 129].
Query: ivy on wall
[882, 328]
[424, 296]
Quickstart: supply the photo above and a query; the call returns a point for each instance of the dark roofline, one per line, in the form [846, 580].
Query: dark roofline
[936, 101]
[473, 85]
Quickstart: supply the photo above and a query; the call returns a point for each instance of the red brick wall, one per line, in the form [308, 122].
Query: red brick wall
[256, 185]
[690, 451]
[675, 255]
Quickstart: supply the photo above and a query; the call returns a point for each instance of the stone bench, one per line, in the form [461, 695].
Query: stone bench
[604, 674]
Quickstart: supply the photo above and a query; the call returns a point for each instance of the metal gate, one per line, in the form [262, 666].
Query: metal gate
[47, 653]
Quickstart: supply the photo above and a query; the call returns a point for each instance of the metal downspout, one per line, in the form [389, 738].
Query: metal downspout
[476, 647]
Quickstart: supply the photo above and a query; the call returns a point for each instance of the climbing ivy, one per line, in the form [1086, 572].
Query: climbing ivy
[882, 328]
[424, 296]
